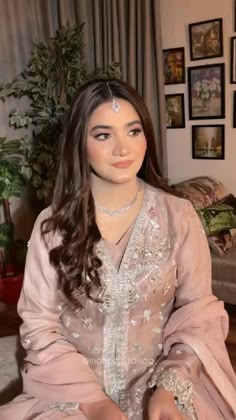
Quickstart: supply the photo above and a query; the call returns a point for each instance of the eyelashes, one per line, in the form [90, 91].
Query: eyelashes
[135, 132]
[106, 136]
[102, 136]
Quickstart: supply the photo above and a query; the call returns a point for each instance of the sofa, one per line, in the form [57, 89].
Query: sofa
[211, 199]
[202, 192]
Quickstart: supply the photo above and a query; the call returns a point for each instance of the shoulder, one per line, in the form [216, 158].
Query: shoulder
[42, 216]
[177, 215]
[171, 203]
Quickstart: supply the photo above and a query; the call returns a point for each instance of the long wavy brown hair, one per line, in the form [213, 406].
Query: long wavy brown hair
[73, 210]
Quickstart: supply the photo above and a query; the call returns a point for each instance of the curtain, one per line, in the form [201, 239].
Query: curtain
[125, 31]
[128, 32]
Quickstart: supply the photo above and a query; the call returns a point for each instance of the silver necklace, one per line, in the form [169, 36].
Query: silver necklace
[122, 209]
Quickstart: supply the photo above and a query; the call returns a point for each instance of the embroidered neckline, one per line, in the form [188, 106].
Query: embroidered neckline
[136, 227]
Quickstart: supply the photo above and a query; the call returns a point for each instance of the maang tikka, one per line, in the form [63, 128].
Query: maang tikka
[115, 105]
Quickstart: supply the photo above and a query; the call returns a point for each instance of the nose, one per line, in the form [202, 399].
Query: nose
[120, 146]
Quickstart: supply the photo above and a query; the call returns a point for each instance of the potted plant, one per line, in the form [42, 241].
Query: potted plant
[55, 71]
[12, 181]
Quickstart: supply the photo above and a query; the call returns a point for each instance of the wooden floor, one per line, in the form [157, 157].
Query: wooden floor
[10, 322]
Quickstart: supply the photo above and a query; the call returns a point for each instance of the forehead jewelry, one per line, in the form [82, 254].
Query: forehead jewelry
[115, 105]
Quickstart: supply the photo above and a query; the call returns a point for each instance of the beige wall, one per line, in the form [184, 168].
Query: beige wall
[175, 17]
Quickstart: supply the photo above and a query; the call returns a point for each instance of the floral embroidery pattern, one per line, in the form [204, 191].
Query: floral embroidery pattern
[181, 389]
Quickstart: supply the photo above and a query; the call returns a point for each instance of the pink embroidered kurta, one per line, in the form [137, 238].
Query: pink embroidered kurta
[157, 324]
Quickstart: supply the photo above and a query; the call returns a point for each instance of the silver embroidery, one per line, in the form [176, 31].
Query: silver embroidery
[75, 334]
[146, 315]
[138, 395]
[156, 330]
[181, 389]
[137, 347]
[145, 253]
[166, 288]
[67, 321]
[68, 407]
[95, 350]
[87, 323]
[60, 307]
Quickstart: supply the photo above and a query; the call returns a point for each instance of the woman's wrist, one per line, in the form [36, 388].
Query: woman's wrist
[89, 409]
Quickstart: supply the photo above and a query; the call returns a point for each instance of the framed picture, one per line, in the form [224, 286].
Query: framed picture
[234, 15]
[206, 39]
[233, 60]
[208, 141]
[175, 116]
[206, 90]
[174, 66]
[234, 110]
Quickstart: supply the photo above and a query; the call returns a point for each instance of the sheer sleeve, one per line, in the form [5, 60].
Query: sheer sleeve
[181, 367]
[53, 369]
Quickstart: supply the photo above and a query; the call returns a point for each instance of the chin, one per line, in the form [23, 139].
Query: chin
[122, 179]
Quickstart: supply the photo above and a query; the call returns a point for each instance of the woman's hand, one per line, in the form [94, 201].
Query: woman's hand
[103, 410]
[162, 406]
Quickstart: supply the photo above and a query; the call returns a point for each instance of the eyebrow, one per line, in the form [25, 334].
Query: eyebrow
[107, 127]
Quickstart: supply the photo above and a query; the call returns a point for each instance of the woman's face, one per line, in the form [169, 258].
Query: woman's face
[116, 143]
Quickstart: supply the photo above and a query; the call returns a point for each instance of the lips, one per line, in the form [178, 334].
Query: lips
[123, 164]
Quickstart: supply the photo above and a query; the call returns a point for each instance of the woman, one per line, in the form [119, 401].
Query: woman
[119, 320]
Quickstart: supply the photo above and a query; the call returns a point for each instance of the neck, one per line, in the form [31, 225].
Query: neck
[113, 195]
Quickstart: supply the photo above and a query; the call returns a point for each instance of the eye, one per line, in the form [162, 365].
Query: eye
[135, 132]
[102, 136]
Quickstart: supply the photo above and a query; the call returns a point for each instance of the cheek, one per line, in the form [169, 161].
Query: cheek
[95, 152]
[141, 147]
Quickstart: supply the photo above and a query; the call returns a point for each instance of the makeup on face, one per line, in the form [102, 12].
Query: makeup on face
[116, 143]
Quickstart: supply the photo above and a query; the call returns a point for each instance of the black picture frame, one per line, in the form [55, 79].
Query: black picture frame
[174, 66]
[233, 59]
[234, 110]
[206, 39]
[234, 14]
[206, 91]
[208, 141]
[175, 110]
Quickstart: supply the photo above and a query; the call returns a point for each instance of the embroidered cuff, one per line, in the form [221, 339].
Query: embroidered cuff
[68, 407]
[182, 389]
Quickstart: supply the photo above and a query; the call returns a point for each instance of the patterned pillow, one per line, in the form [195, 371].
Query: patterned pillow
[220, 216]
[221, 242]
[202, 191]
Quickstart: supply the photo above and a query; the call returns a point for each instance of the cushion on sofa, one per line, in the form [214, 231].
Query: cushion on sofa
[202, 191]
[221, 242]
[219, 216]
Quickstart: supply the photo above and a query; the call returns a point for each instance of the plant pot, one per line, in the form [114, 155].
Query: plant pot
[10, 288]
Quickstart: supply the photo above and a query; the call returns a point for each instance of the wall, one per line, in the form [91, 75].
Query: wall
[175, 17]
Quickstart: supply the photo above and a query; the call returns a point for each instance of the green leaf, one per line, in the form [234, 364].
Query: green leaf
[54, 72]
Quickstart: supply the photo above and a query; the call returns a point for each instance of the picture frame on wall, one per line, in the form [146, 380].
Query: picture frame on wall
[206, 39]
[208, 141]
[206, 91]
[234, 14]
[233, 60]
[174, 66]
[175, 113]
[234, 110]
